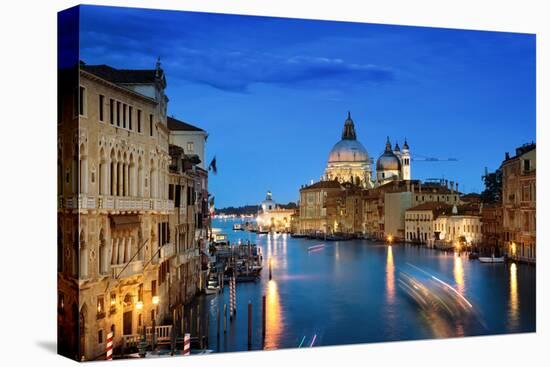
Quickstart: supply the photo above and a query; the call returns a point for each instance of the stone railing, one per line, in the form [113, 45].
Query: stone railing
[120, 203]
[167, 250]
[123, 271]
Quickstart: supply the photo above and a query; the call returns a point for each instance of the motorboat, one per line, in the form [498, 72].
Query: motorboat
[492, 259]
[316, 247]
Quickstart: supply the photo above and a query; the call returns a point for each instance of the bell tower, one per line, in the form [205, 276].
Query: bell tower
[405, 162]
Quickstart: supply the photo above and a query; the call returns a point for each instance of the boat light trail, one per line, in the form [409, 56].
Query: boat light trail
[313, 340]
[454, 290]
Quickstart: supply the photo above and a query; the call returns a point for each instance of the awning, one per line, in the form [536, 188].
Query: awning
[125, 221]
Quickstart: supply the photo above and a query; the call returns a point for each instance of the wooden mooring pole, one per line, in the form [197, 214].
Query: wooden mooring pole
[224, 318]
[249, 325]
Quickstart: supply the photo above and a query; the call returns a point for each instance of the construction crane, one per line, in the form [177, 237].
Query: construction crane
[433, 159]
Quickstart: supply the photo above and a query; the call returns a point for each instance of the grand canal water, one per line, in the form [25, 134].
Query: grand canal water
[349, 292]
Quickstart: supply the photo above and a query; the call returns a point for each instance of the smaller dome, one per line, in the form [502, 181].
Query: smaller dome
[388, 161]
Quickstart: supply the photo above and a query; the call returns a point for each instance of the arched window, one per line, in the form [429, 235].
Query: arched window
[140, 178]
[125, 175]
[133, 177]
[83, 256]
[112, 174]
[83, 170]
[74, 255]
[102, 253]
[102, 181]
[153, 180]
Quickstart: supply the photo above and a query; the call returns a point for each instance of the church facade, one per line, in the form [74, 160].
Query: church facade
[349, 161]
[354, 199]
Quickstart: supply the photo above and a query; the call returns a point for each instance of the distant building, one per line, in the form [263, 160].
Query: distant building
[491, 229]
[393, 164]
[272, 217]
[519, 203]
[348, 160]
[460, 227]
[348, 200]
[402, 195]
[420, 222]
[317, 205]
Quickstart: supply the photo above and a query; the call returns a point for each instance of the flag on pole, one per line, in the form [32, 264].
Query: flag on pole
[212, 166]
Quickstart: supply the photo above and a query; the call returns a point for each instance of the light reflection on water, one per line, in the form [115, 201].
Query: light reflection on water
[348, 293]
[458, 272]
[514, 300]
[390, 276]
[274, 323]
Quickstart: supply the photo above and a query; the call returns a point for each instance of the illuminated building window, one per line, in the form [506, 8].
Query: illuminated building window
[100, 307]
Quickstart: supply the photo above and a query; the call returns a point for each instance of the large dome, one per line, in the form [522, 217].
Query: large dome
[348, 151]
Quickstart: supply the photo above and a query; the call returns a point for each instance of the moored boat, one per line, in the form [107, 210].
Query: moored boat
[492, 259]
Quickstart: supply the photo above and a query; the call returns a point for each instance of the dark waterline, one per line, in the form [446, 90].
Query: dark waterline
[348, 293]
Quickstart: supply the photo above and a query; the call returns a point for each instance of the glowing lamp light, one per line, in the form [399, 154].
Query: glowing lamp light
[156, 300]
[139, 305]
[113, 302]
[389, 238]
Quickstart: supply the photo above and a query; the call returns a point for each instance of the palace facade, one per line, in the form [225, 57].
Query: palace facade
[117, 231]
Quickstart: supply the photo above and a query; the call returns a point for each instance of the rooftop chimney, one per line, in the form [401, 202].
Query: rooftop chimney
[452, 186]
[507, 156]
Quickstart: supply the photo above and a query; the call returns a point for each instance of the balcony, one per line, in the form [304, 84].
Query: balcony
[167, 250]
[187, 255]
[118, 203]
[80, 202]
[122, 271]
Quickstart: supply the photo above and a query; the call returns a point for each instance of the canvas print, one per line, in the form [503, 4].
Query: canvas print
[238, 183]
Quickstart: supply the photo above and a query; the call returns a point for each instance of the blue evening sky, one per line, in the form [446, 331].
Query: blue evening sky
[273, 93]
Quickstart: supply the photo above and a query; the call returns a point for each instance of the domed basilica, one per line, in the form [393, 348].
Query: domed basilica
[349, 161]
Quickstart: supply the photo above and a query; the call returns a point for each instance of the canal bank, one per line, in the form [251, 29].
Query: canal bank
[351, 292]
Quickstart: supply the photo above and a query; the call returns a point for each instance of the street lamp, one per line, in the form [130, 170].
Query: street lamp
[156, 300]
[139, 305]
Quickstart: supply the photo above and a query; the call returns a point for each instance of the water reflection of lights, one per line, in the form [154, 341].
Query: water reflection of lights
[458, 272]
[390, 276]
[514, 300]
[273, 316]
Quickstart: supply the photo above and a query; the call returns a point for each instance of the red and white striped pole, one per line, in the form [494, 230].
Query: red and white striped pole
[109, 347]
[187, 344]
[231, 290]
